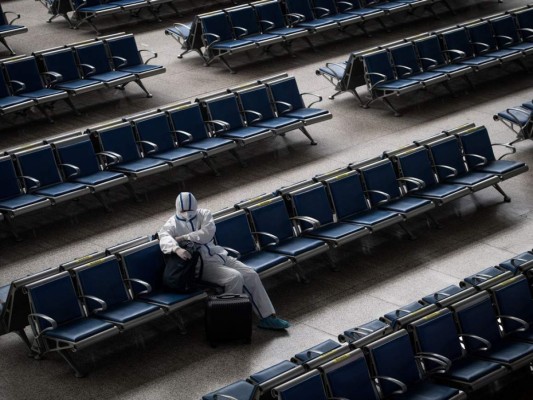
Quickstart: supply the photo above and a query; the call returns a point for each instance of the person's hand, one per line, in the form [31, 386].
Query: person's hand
[180, 238]
[183, 254]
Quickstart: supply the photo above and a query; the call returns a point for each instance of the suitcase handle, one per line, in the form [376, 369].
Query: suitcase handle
[229, 296]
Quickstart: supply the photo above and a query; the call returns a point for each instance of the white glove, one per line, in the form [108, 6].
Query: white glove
[183, 254]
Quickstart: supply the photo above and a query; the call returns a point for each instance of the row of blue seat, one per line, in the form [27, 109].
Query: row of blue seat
[519, 119]
[64, 72]
[434, 58]
[73, 165]
[8, 29]
[262, 24]
[463, 339]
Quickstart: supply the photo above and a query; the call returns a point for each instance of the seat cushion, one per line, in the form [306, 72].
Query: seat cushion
[371, 217]
[305, 113]
[261, 37]
[168, 298]
[399, 84]
[109, 77]
[141, 68]
[139, 165]
[99, 178]
[335, 231]
[424, 390]
[60, 189]
[405, 204]
[10, 101]
[245, 132]
[20, 201]
[438, 191]
[509, 352]
[316, 23]
[501, 166]
[208, 144]
[175, 154]
[522, 118]
[425, 76]
[231, 44]
[76, 85]
[295, 246]
[126, 312]
[79, 329]
[451, 68]
[277, 123]
[42, 93]
[471, 369]
[287, 31]
[470, 178]
[262, 261]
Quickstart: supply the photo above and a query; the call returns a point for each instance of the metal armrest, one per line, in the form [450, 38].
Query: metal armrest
[148, 287]
[269, 235]
[481, 277]
[218, 396]
[348, 5]
[153, 53]
[33, 317]
[284, 103]
[115, 157]
[325, 11]
[21, 86]
[102, 303]
[419, 183]
[442, 294]
[36, 182]
[154, 146]
[527, 30]
[91, 69]
[524, 327]
[230, 250]
[318, 98]
[460, 53]
[512, 110]
[72, 166]
[215, 40]
[178, 26]
[270, 24]
[485, 46]
[431, 60]
[186, 134]
[514, 260]
[403, 387]
[405, 67]
[224, 126]
[383, 79]
[243, 30]
[454, 171]
[310, 352]
[81, 5]
[508, 38]
[17, 16]
[508, 146]
[123, 61]
[293, 18]
[51, 77]
[483, 159]
[257, 114]
[314, 222]
[386, 195]
[343, 66]
[487, 344]
[444, 363]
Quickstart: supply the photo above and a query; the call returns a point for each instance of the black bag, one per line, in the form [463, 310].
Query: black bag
[179, 274]
[228, 317]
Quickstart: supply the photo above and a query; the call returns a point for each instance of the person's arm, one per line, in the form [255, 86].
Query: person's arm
[166, 234]
[206, 232]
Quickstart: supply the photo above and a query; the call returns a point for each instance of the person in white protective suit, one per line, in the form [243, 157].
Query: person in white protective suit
[197, 225]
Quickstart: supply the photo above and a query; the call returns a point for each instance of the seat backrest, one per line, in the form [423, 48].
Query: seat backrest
[270, 11]
[188, 118]
[393, 356]
[286, 90]
[225, 108]
[404, 55]
[457, 39]
[302, 7]
[256, 99]
[85, 3]
[94, 54]
[378, 62]
[416, 164]
[308, 386]
[447, 151]
[525, 21]
[4, 87]
[513, 298]
[216, 23]
[271, 216]
[56, 298]
[476, 141]
[120, 139]
[482, 33]
[40, 164]
[154, 129]
[78, 151]
[125, 47]
[347, 194]
[233, 231]
[505, 30]
[329, 5]
[448, 295]
[102, 279]
[312, 202]
[9, 183]
[348, 377]
[429, 51]
[244, 17]
[3, 19]
[63, 62]
[144, 262]
[24, 70]
[380, 176]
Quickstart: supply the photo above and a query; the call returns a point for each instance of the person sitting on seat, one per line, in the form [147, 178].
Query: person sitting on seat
[196, 224]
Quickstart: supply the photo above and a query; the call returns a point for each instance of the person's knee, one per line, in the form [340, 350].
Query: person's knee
[234, 281]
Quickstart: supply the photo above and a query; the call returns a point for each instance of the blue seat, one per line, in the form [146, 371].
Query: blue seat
[106, 297]
[157, 140]
[358, 8]
[118, 144]
[246, 26]
[360, 335]
[351, 205]
[225, 120]
[321, 353]
[449, 295]
[395, 368]
[507, 35]
[313, 217]
[485, 43]
[436, 336]
[8, 29]
[301, 14]
[58, 320]
[308, 386]
[11, 103]
[521, 263]
[330, 10]
[344, 76]
[39, 168]
[234, 234]
[524, 20]
[486, 278]
[268, 378]
[273, 21]
[482, 336]
[129, 5]
[416, 165]
[388, 7]
[187, 35]
[400, 317]
[86, 11]
[480, 156]
[518, 119]
[240, 390]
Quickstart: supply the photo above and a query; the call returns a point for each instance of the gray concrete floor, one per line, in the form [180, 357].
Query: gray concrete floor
[377, 274]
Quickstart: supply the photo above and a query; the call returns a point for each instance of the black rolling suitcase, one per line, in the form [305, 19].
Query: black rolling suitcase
[228, 317]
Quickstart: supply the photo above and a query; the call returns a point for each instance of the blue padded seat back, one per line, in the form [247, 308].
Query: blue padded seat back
[417, 164]
[271, 12]
[313, 203]
[394, 357]
[438, 334]
[189, 119]
[272, 217]
[378, 62]
[257, 100]
[457, 39]
[122, 141]
[348, 195]
[55, 298]
[146, 264]
[104, 281]
[26, 71]
[479, 319]
[155, 130]
[80, 154]
[447, 152]
[287, 91]
[244, 18]
[3, 20]
[218, 24]
[226, 109]
[234, 232]
[513, 297]
[405, 55]
[88, 3]
[505, 27]
[64, 63]
[525, 21]
[4, 91]
[9, 184]
[41, 165]
[302, 7]
[383, 178]
[482, 33]
[125, 47]
[351, 380]
[430, 48]
[477, 142]
[309, 388]
[94, 54]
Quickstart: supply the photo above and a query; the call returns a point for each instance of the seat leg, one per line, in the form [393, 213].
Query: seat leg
[141, 85]
[288, 47]
[332, 97]
[67, 357]
[407, 231]
[102, 201]
[173, 7]
[361, 25]
[24, 338]
[447, 5]
[176, 316]
[309, 43]
[306, 133]
[133, 193]
[211, 165]
[3, 41]
[380, 21]
[431, 220]
[332, 264]
[72, 106]
[9, 221]
[469, 81]
[300, 275]
[238, 157]
[432, 11]
[506, 198]
[449, 89]
[226, 64]
[390, 106]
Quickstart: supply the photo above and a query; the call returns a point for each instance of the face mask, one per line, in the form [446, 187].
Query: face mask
[187, 215]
